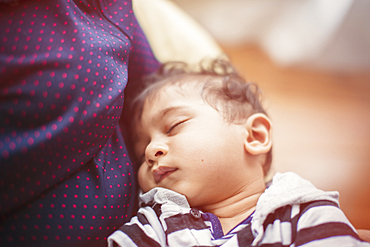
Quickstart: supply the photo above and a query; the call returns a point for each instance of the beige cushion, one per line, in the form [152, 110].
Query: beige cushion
[172, 34]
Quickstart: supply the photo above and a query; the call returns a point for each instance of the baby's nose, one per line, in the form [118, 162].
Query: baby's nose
[152, 160]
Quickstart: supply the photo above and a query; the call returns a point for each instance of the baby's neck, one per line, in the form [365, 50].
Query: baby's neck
[236, 208]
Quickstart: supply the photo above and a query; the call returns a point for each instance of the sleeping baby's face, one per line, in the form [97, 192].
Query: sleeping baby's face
[186, 145]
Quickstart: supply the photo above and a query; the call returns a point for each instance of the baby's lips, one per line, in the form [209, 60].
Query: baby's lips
[160, 171]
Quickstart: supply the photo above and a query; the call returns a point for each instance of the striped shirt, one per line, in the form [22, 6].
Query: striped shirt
[169, 221]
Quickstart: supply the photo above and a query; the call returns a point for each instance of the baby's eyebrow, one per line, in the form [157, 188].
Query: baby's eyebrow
[170, 110]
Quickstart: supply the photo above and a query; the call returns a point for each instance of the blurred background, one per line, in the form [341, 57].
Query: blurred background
[312, 60]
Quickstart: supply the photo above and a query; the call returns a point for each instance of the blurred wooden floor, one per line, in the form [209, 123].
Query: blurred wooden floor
[321, 126]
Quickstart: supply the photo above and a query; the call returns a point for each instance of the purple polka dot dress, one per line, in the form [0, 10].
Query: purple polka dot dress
[65, 175]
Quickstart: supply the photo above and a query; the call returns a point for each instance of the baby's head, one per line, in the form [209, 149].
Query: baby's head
[203, 134]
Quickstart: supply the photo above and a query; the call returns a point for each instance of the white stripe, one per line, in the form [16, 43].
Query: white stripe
[121, 239]
[154, 228]
[295, 211]
[190, 237]
[322, 214]
[232, 242]
[286, 233]
[234, 231]
[209, 224]
[336, 241]
[278, 232]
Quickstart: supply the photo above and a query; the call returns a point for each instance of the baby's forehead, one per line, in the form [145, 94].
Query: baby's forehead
[181, 84]
[171, 95]
[185, 85]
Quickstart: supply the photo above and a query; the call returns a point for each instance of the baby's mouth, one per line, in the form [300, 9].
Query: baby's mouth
[162, 172]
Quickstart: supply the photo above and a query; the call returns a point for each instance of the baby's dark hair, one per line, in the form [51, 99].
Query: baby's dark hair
[221, 87]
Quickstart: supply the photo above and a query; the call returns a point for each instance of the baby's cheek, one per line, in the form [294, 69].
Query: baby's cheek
[143, 178]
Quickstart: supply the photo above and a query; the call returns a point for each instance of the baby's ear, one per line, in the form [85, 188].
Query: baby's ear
[259, 134]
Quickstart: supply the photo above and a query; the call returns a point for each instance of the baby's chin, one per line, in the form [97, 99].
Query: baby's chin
[145, 186]
[192, 197]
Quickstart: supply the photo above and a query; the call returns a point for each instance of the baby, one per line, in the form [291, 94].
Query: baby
[203, 143]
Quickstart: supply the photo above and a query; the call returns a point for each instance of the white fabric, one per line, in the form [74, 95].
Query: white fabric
[286, 189]
[292, 205]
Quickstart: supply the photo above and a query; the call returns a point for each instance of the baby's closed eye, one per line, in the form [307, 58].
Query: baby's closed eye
[173, 127]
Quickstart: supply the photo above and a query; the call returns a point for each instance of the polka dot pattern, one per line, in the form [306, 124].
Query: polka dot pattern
[65, 174]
